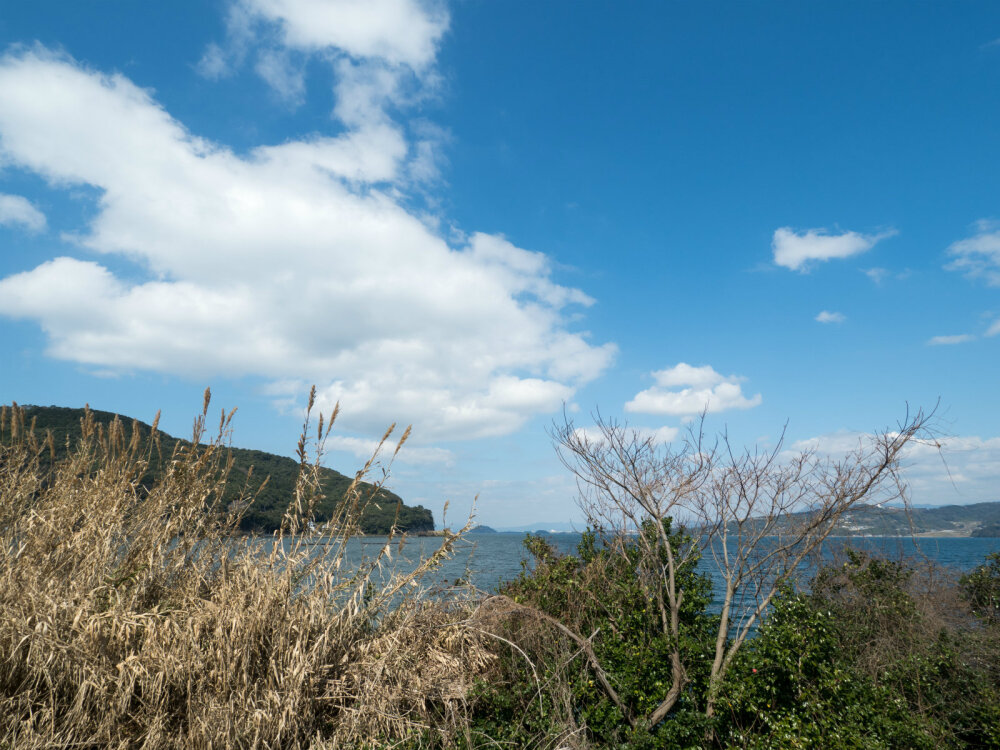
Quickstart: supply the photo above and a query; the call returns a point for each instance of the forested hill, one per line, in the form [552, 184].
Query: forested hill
[266, 511]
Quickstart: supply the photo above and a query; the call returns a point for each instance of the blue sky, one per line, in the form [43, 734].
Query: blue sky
[465, 216]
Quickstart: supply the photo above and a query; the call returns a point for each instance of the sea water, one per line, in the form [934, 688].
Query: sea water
[488, 560]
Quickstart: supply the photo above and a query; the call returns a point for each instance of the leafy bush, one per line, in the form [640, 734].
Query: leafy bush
[793, 688]
[981, 588]
[876, 656]
[548, 688]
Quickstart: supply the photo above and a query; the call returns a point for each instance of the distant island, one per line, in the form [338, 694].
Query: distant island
[265, 514]
[974, 520]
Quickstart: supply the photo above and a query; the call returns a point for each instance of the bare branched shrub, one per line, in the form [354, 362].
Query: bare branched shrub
[758, 514]
[136, 616]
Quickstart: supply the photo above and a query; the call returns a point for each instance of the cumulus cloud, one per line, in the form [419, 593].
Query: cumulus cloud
[830, 317]
[686, 390]
[978, 257]
[16, 210]
[957, 469]
[796, 250]
[296, 262]
[950, 340]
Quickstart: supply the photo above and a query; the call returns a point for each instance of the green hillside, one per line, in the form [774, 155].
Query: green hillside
[265, 513]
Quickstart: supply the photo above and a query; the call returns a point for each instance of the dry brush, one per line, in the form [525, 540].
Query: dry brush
[135, 616]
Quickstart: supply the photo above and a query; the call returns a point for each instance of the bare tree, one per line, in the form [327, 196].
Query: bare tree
[758, 514]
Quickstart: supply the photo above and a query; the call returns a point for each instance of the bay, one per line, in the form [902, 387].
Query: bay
[488, 560]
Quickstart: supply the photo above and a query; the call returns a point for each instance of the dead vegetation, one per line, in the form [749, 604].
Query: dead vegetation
[133, 616]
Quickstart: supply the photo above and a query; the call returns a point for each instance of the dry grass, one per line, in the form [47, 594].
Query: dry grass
[133, 616]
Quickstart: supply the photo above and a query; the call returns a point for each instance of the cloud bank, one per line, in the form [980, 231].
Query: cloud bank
[298, 262]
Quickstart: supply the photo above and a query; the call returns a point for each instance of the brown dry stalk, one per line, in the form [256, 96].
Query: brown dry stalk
[135, 616]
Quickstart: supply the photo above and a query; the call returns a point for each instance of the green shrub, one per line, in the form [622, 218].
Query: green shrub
[981, 588]
[792, 687]
[597, 593]
[878, 655]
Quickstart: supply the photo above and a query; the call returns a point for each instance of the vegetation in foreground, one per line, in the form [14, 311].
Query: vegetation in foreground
[132, 615]
[872, 653]
[129, 617]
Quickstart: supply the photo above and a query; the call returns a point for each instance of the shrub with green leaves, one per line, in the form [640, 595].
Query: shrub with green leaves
[549, 688]
[981, 588]
[876, 656]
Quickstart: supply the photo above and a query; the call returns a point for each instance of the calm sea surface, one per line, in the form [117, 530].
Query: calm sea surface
[486, 560]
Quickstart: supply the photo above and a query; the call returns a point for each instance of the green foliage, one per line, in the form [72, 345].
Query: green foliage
[272, 495]
[877, 654]
[791, 687]
[982, 589]
[599, 591]
[866, 660]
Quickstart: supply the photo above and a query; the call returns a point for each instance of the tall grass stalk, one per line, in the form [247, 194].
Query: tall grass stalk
[136, 616]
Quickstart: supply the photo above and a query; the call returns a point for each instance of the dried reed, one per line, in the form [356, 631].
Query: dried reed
[135, 616]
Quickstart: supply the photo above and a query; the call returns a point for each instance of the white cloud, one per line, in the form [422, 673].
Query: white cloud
[949, 340]
[297, 263]
[950, 470]
[830, 317]
[401, 32]
[978, 256]
[658, 435]
[994, 328]
[795, 250]
[383, 51]
[381, 54]
[700, 389]
[685, 374]
[16, 210]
